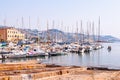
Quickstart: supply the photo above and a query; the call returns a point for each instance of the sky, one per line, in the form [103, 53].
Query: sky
[65, 14]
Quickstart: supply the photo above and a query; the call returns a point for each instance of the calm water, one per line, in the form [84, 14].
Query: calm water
[95, 58]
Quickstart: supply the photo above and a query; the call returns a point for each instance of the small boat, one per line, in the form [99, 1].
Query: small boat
[87, 49]
[36, 52]
[16, 54]
[109, 48]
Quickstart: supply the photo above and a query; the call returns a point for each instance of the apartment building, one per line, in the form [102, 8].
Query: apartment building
[10, 34]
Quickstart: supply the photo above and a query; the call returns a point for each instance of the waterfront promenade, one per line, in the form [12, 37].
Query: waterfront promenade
[33, 70]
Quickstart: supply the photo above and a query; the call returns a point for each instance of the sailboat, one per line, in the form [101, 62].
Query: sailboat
[98, 45]
[76, 46]
[36, 50]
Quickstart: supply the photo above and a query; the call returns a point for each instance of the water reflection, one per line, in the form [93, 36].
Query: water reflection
[86, 59]
[80, 58]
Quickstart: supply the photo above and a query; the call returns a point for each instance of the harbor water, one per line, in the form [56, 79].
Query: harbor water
[101, 57]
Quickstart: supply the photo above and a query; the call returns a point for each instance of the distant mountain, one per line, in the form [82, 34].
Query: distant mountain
[57, 35]
[1, 26]
[55, 30]
[110, 38]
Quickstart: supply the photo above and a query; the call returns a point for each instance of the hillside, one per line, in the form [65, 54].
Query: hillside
[57, 35]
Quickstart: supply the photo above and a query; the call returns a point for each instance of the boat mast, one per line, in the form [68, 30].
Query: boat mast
[29, 26]
[29, 23]
[22, 21]
[4, 22]
[72, 27]
[48, 36]
[61, 37]
[38, 30]
[56, 35]
[17, 23]
[83, 36]
[65, 40]
[53, 24]
[81, 33]
[99, 29]
[88, 31]
[93, 32]
[77, 40]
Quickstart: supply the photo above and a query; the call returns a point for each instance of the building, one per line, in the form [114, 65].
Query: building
[10, 34]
